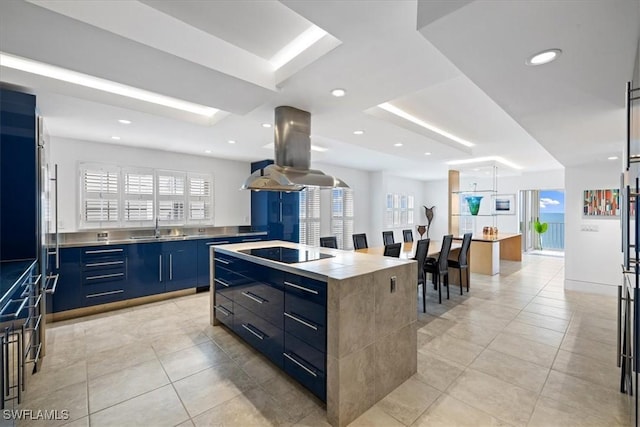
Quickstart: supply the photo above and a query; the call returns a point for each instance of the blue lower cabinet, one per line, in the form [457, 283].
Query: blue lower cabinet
[262, 335]
[203, 247]
[180, 263]
[68, 293]
[223, 310]
[262, 299]
[306, 364]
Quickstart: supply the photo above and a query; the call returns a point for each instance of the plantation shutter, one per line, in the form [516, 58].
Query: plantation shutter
[100, 195]
[310, 216]
[171, 196]
[342, 217]
[200, 198]
[138, 197]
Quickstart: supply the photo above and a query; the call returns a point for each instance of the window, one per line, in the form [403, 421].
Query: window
[99, 195]
[171, 196]
[342, 217]
[310, 216]
[399, 210]
[138, 197]
[200, 198]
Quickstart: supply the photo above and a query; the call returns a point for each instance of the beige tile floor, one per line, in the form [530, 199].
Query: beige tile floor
[516, 350]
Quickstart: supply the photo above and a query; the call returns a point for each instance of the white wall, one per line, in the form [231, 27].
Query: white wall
[436, 193]
[232, 206]
[592, 259]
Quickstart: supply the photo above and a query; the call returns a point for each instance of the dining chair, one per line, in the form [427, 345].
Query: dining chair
[439, 269]
[407, 235]
[393, 250]
[421, 255]
[360, 241]
[462, 263]
[387, 237]
[329, 242]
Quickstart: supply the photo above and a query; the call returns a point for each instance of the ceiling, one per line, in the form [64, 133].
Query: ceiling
[456, 65]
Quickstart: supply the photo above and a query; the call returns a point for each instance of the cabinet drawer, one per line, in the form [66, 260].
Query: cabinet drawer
[268, 275]
[232, 263]
[103, 276]
[224, 309]
[307, 289]
[306, 364]
[306, 321]
[226, 281]
[101, 253]
[262, 299]
[100, 293]
[262, 335]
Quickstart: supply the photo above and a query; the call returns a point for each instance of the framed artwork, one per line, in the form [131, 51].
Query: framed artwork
[504, 204]
[601, 203]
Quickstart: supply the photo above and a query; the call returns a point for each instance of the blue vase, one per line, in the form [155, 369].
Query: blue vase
[474, 204]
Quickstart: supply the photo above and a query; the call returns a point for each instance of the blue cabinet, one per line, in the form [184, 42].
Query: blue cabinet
[69, 288]
[104, 274]
[145, 269]
[180, 264]
[280, 314]
[204, 246]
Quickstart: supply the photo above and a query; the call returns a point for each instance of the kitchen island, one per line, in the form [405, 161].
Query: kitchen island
[343, 325]
[487, 251]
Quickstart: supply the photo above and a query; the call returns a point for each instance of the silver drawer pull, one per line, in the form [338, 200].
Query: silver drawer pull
[254, 297]
[223, 310]
[222, 283]
[51, 290]
[302, 288]
[224, 242]
[101, 264]
[261, 336]
[251, 240]
[300, 364]
[223, 261]
[101, 294]
[104, 276]
[297, 319]
[103, 251]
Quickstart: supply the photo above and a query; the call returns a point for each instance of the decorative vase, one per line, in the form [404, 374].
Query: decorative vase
[421, 230]
[474, 204]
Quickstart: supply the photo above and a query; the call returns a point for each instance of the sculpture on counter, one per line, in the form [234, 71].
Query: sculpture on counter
[428, 212]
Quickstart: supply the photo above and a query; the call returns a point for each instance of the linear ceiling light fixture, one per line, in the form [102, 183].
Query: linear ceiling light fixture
[498, 159]
[51, 71]
[298, 45]
[403, 114]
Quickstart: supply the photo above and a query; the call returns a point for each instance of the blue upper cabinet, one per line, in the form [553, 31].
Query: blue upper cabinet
[276, 212]
[18, 176]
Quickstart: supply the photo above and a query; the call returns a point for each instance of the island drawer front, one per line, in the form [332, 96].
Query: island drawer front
[226, 281]
[305, 288]
[262, 335]
[306, 364]
[261, 299]
[231, 263]
[267, 275]
[306, 321]
[224, 310]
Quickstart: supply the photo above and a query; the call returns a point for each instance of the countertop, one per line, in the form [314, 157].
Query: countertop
[496, 238]
[344, 264]
[11, 273]
[167, 238]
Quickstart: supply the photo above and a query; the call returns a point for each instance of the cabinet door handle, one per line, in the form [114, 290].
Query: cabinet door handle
[297, 319]
[223, 310]
[160, 267]
[254, 297]
[226, 285]
[223, 261]
[224, 242]
[247, 327]
[170, 266]
[103, 251]
[302, 288]
[311, 372]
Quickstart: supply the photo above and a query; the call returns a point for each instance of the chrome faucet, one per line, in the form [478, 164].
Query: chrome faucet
[157, 230]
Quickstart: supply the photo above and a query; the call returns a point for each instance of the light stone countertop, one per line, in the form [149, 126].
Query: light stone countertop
[345, 264]
[151, 238]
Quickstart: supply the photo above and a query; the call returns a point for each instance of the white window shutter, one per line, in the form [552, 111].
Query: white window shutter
[138, 206]
[310, 216]
[200, 198]
[171, 197]
[342, 217]
[99, 195]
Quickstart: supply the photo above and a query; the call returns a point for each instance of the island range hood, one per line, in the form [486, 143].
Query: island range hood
[292, 157]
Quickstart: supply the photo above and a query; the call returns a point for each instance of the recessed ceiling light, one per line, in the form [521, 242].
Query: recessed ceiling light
[124, 122]
[612, 158]
[358, 132]
[486, 159]
[231, 141]
[427, 153]
[97, 83]
[266, 125]
[403, 114]
[398, 144]
[297, 46]
[543, 57]
[115, 137]
[338, 93]
[207, 151]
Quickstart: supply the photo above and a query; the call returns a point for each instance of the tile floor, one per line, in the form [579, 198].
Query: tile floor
[516, 350]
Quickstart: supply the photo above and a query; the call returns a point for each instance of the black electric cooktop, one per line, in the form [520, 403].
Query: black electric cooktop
[286, 255]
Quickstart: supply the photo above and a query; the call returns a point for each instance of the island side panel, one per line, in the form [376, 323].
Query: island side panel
[371, 339]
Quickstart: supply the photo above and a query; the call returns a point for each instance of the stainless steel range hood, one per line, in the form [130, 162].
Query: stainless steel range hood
[292, 157]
